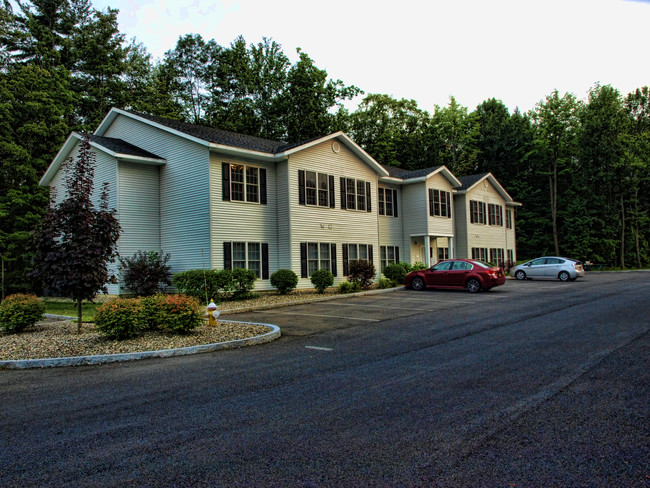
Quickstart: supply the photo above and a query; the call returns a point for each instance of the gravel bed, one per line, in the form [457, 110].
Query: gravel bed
[56, 338]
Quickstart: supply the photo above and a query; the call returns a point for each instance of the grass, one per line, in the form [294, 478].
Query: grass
[60, 307]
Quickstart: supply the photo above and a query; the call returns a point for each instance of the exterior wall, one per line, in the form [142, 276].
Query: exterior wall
[483, 235]
[391, 230]
[439, 226]
[416, 210]
[461, 221]
[330, 225]
[243, 221]
[184, 191]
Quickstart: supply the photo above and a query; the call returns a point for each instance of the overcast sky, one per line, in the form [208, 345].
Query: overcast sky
[517, 51]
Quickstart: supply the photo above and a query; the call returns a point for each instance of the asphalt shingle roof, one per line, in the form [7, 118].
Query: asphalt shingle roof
[406, 174]
[121, 147]
[469, 181]
[218, 136]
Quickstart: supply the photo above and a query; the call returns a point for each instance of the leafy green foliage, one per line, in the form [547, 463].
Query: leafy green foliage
[203, 284]
[179, 314]
[150, 308]
[383, 283]
[243, 281]
[362, 272]
[349, 287]
[120, 318]
[284, 280]
[396, 272]
[19, 311]
[146, 273]
[322, 279]
[76, 241]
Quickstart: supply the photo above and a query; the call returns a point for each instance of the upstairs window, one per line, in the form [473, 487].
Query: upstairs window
[387, 202]
[495, 213]
[242, 183]
[477, 212]
[315, 189]
[439, 203]
[509, 219]
[355, 194]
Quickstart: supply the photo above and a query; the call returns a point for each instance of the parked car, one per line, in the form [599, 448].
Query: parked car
[470, 274]
[549, 267]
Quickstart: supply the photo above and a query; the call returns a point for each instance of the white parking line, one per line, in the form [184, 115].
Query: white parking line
[436, 300]
[335, 302]
[319, 348]
[318, 315]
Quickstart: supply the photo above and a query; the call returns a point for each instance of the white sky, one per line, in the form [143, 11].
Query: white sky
[517, 51]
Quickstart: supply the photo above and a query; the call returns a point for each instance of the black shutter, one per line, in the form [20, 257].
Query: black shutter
[263, 186]
[381, 199]
[332, 194]
[225, 181]
[301, 187]
[343, 195]
[448, 204]
[227, 255]
[396, 254]
[368, 198]
[370, 252]
[265, 261]
[303, 260]
[333, 259]
[344, 247]
[395, 203]
[431, 202]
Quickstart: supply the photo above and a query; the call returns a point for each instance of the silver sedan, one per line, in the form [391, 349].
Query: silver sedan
[549, 267]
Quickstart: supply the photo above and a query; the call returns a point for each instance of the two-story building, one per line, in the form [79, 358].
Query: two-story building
[216, 199]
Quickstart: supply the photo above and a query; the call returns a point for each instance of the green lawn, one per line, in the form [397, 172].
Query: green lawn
[58, 307]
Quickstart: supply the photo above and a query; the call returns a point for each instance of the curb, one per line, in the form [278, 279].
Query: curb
[272, 335]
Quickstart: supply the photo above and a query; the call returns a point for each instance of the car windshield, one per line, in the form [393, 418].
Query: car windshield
[481, 264]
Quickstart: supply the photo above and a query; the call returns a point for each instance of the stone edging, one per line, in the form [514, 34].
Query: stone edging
[272, 335]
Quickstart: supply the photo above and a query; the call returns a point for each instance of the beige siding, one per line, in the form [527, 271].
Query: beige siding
[390, 227]
[330, 225]
[283, 215]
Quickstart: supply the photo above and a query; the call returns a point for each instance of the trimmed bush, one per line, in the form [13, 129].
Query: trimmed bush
[243, 281]
[418, 265]
[20, 311]
[146, 273]
[395, 272]
[349, 287]
[120, 318]
[180, 314]
[284, 280]
[322, 279]
[200, 283]
[386, 283]
[150, 308]
[362, 272]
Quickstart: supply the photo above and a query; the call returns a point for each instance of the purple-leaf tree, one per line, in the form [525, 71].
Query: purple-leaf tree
[76, 241]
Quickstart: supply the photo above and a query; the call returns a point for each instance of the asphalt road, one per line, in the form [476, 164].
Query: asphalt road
[533, 384]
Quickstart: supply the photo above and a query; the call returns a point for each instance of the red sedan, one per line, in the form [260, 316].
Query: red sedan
[472, 275]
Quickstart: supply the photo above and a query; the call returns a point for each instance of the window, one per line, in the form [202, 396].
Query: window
[355, 194]
[315, 256]
[495, 213]
[356, 252]
[388, 255]
[439, 203]
[477, 212]
[511, 256]
[496, 256]
[509, 221]
[443, 253]
[480, 253]
[316, 189]
[248, 255]
[388, 202]
[241, 183]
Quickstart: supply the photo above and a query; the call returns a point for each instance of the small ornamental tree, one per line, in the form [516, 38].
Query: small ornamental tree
[76, 241]
[146, 273]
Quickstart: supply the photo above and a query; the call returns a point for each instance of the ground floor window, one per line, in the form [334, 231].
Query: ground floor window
[511, 256]
[480, 253]
[355, 252]
[248, 255]
[443, 253]
[388, 255]
[315, 256]
[496, 256]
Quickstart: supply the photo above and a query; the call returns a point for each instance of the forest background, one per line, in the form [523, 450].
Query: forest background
[580, 168]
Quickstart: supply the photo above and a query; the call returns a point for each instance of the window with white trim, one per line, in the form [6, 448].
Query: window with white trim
[244, 183]
[508, 219]
[247, 255]
[443, 253]
[355, 194]
[496, 256]
[317, 255]
[388, 255]
[495, 214]
[439, 203]
[477, 212]
[480, 253]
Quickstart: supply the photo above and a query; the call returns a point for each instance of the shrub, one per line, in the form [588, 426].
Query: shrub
[321, 279]
[203, 284]
[386, 283]
[179, 314]
[146, 273]
[349, 287]
[418, 265]
[395, 272]
[243, 281]
[120, 318]
[150, 308]
[284, 280]
[20, 311]
[362, 272]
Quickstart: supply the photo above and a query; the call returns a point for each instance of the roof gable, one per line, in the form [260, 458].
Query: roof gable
[471, 181]
[418, 175]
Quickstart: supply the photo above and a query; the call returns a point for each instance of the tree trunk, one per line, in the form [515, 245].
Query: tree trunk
[79, 316]
[622, 233]
[553, 189]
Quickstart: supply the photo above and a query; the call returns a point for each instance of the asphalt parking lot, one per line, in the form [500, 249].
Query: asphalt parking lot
[310, 318]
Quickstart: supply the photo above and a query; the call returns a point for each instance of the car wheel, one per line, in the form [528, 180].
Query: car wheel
[473, 285]
[417, 283]
[520, 275]
[564, 276]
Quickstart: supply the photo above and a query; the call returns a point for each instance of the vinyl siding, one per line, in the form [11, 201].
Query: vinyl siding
[243, 221]
[331, 225]
[391, 228]
[437, 225]
[184, 191]
[283, 212]
[461, 221]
